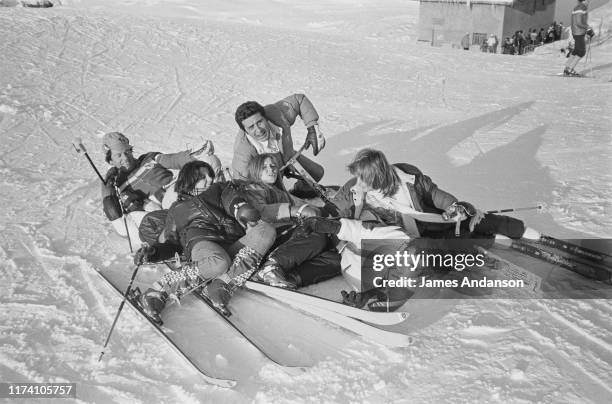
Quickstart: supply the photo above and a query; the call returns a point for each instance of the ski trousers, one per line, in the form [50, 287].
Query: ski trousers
[579, 46]
[489, 226]
[307, 255]
[214, 260]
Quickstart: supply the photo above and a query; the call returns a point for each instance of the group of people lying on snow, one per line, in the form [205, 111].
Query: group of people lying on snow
[243, 222]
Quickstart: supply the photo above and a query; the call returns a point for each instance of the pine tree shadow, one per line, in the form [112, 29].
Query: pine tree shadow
[506, 176]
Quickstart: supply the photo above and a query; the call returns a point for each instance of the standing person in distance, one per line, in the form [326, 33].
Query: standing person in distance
[580, 28]
[465, 41]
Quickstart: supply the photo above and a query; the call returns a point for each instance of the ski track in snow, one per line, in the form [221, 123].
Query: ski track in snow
[500, 131]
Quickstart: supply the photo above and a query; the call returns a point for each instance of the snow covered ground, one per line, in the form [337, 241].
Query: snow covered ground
[498, 130]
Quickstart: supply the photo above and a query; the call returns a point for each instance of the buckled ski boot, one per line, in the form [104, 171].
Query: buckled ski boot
[175, 283]
[273, 275]
[152, 302]
[219, 294]
[245, 263]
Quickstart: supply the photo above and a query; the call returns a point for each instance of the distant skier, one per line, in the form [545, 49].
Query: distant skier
[268, 130]
[580, 28]
[142, 181]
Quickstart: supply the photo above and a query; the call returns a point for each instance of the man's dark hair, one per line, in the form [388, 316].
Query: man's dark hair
[246, 110]
[190, 174]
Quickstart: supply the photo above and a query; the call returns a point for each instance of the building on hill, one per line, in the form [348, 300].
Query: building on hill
[447, 21]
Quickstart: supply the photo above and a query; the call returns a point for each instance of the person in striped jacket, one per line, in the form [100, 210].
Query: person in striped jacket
[141, 181]
[580, 28]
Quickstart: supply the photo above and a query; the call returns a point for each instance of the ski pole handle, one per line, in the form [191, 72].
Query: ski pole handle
[79, 147]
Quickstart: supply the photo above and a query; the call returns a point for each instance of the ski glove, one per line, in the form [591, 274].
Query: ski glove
[464, 210]
[590, 32]
[314, 138]
[305, 211]
[245, 213]
[143, 254]
[354, 299]
[321, 225]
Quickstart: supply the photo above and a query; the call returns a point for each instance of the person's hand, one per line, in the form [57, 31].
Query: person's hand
[131, 200]
[289, 172]
[247, 215]
[111, 176]
[590, 33]
[143, 254]
[354, 299]
[314, 139]
[462, 210]
[329, 210]
[305, 211]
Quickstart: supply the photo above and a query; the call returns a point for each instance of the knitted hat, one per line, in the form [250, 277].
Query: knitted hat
[115, 141]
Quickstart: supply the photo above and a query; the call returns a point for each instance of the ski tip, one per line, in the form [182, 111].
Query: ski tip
[224, 383]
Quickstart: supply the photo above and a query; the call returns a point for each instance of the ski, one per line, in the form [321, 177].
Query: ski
[226, 383]
[368, 331]
[590, 271]
[380, 318]
[510, 270]
[258, 344]
[579, 76]
[262, 345]
[574, 249]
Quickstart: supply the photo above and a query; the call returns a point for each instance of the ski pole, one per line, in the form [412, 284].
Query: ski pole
[293, 158]
[79, 147]
[537, 207]
[127, 292]
[588, 58]
[127, 231]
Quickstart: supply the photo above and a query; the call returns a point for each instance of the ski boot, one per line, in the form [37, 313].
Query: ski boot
[172, 285]
[151, 303]
[571, 73]
[273, 275]
[219, 292]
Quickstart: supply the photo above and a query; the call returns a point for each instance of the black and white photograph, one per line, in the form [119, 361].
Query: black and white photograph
[306, 201]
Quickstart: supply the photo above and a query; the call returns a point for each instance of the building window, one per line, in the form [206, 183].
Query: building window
[478, 38]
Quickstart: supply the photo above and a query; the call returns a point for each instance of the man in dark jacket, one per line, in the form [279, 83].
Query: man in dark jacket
[216, 230]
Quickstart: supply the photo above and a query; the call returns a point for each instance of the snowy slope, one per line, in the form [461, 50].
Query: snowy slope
[500, 131]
